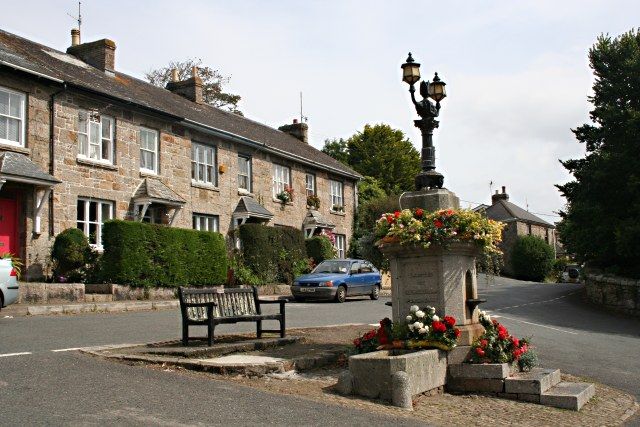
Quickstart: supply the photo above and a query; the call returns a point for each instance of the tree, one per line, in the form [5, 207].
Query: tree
[337, 148]
[532, 258]
[600, 222]
[369, 189]
[213, 82]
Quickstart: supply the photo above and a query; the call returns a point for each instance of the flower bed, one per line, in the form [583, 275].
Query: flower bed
[418, 227]
[421, 329]
[496, 345]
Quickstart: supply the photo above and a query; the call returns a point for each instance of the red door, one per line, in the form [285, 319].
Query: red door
[9, 227]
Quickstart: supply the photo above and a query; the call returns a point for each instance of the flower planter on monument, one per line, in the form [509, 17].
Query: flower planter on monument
[443, 277]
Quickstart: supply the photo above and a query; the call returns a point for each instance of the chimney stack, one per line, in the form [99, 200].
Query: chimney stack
[297, 130]
[190, 88]
[100, 54]
[75, 37]
[499, 196]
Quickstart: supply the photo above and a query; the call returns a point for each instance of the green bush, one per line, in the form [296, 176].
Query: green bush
[70, 253]
[141, 254]
[319, 248]
[273, 254]
[532, 258]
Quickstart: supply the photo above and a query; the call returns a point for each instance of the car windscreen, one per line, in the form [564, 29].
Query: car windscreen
[332, 267]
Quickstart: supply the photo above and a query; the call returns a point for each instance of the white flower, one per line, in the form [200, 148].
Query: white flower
[435, 318]
[422, 331]
[487, 318]
[483, 313]
[420, 314]
[409, 318]
[414, 308]
[411, 326]
[418, 325]
[432, 310]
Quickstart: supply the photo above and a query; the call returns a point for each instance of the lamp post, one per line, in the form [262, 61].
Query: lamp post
[428, 111]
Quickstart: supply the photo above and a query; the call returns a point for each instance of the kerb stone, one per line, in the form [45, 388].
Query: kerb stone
[568, 395]
[536, 381]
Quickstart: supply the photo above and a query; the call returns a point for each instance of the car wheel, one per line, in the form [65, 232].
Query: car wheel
[375, 293]
[341, 294]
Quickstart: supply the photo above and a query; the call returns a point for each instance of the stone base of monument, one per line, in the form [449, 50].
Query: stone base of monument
[468, 333]
[394, 375]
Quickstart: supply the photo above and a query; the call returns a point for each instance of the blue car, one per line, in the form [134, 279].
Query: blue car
[337, 279]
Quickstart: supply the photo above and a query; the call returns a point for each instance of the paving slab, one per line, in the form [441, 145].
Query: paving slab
[536, 381]
[568, 395]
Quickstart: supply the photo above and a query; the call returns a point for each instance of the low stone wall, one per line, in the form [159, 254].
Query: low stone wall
[614, 293]
[47, 293]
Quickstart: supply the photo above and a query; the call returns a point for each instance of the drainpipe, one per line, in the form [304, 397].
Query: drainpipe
[52, 139]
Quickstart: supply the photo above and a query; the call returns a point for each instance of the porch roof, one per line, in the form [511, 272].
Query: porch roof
[249, 207]
[19, 168]
[154, 190]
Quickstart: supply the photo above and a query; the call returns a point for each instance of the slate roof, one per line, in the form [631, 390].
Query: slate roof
[247, 206]
[29, 56]
[15, 165]
[503, 210]
[151, 188]
[315, 218]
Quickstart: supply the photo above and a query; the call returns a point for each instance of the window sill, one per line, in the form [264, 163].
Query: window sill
[243, 192]
[204, 186]
[145, 173]
[332, 212]
[11, 147]
[279, 202]
[98, 163]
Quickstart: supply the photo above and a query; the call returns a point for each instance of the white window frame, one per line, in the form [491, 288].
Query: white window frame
[310, 184]
[155, 150]
[95, 133]
[248, 175]
[203, 222]
[336, 193]
[22, 111]
[341, 243]
[199, 160]
[84, 224]
[281, 179]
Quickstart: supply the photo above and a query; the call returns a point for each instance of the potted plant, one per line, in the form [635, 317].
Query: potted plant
[313, 201]
[286, 195]
[337, 208]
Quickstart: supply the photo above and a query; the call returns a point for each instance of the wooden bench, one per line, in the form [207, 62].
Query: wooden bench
[215, 306]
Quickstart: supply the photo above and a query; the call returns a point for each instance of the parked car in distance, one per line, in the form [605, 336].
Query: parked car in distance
[8, 282]
[337, 279]
[571, 273]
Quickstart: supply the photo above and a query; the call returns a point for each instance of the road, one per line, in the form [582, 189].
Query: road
[44, 381]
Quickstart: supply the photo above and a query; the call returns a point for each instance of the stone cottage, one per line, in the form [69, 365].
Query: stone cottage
[81, 143]
[518, 222]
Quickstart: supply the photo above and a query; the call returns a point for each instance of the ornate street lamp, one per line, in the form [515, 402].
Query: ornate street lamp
[428, 111]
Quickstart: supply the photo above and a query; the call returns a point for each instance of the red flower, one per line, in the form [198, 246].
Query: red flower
[448, 212]
[517, 353]
[438, 223]
[484, 343]
[382, 336]
[515, 341]
[357, 342]
[449, 321]
[494, 321]
[480, 352]
[438, 326]
[396, 214]
[456, 331]
[503, 334]
[370, 335]
[390, 219]
[419, 212]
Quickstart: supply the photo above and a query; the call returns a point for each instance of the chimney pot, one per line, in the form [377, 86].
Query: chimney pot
[75, 37]
[503, 190]
[295, 121]
[174, 74]
[194, 71]
[190, 88]
[499, 196]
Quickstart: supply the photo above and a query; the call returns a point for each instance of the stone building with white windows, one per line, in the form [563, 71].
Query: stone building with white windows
[81, 143]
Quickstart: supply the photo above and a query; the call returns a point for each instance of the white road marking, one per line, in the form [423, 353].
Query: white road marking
[537, 324]
[537, 302]
[15, 354]
[67, 349]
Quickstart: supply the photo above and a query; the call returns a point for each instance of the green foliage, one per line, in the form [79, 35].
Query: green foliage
[16, 263]
[490, 262]
[273, 254]
[70, 253]
[369, 189]
[528, 361]
[600, 223]
[213, 82]
[337, 148]
[141, 254]
[319, 248]
[532, 258]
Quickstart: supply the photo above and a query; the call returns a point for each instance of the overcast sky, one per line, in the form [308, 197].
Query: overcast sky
[516, 71]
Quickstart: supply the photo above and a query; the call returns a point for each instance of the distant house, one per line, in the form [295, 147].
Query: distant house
[518, 222]
[82, 143]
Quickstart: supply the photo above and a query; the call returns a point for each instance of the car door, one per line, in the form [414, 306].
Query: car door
[369, 278]
[354, 281]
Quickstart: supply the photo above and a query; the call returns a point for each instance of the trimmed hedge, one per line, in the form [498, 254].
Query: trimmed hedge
[70, 253]
[141, 254]
[532, 258]
[319, 248]
[274, 254]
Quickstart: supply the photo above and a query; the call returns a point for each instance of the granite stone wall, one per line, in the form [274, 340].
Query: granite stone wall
[614, 293]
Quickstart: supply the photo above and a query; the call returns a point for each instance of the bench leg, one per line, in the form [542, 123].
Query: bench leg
[282, 327]
[185, 334]
[259, 328]
[210, 329]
